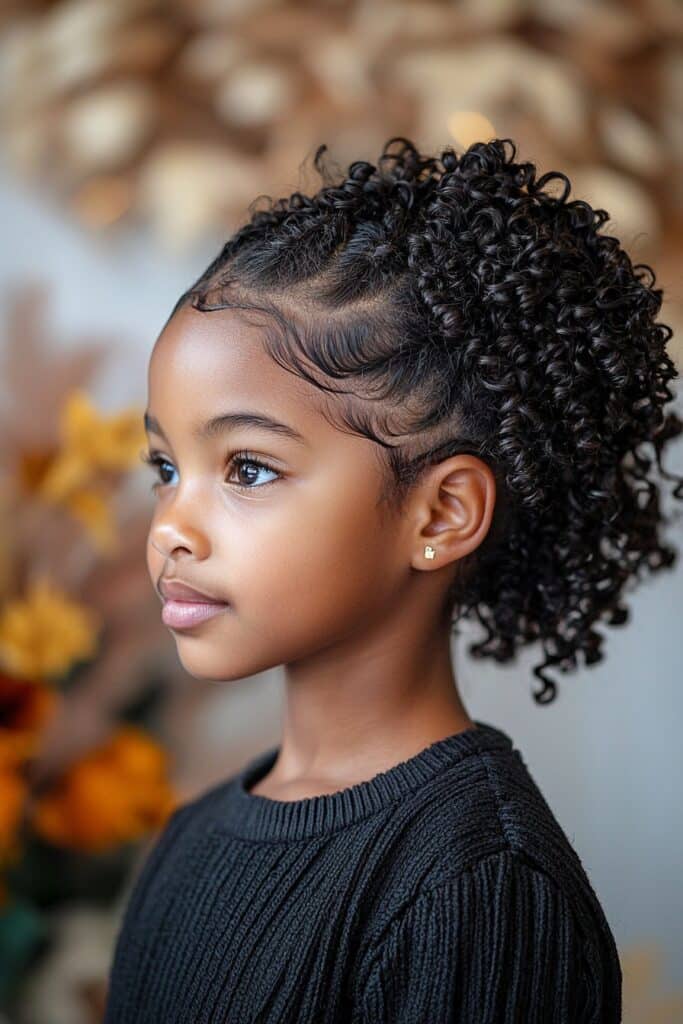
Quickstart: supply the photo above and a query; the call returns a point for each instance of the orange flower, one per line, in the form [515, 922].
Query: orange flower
[113, 795]
[25, 704]
[25, 708]
[12, 795]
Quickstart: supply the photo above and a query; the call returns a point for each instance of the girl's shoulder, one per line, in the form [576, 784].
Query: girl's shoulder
[485, 812]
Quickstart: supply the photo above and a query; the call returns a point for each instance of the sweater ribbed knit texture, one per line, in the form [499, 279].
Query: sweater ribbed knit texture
[440, 890]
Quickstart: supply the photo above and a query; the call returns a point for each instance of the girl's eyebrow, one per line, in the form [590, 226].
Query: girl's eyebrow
[217, 424]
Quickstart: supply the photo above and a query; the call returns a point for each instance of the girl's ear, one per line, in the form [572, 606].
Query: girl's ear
[453, 510]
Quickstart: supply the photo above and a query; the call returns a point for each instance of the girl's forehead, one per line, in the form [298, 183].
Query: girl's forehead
[213, 342]
[217, 362]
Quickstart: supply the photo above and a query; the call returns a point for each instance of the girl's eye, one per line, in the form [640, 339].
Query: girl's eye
[239, 459]
[158, 461]
[242, 460]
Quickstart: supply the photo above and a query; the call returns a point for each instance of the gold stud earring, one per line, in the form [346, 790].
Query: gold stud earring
[429, 551]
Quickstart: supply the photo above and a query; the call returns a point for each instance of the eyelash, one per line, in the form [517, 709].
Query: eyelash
[241, 458]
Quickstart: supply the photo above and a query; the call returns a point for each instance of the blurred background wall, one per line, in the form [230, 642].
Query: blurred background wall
[134, 134]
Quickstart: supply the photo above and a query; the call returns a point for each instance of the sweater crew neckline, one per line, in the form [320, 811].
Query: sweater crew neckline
[252, 816]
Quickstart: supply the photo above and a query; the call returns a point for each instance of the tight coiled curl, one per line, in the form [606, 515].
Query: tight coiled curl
[475, 311]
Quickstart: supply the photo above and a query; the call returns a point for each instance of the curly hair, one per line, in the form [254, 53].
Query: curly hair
[477, 312]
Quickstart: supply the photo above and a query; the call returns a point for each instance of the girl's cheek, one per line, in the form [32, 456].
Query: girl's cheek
[315, 562]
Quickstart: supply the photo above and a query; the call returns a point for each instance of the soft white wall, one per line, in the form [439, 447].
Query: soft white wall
[607, 754]
[120, 288]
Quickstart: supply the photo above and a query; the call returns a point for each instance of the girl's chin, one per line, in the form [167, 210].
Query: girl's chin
[209, 659]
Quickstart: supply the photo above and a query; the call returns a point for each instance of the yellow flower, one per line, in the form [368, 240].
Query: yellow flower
[45, 633]
[90, 443]
[91, 509]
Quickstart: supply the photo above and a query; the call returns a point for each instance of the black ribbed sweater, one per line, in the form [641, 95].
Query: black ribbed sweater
[440, 890]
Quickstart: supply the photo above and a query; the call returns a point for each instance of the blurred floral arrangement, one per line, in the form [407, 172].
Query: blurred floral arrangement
[75, 801]
[174, 115]
[177, 113]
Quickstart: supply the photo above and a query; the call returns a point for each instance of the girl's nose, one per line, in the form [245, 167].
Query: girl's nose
[169, 533]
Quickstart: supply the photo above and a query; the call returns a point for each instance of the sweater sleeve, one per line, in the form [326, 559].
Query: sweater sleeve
[498, 944]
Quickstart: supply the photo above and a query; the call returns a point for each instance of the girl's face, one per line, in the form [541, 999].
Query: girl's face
[295, 546]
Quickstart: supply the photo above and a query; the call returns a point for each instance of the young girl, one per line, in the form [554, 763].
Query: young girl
[419, 394]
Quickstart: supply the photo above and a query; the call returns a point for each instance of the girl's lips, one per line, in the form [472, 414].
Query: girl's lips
[182, 614]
